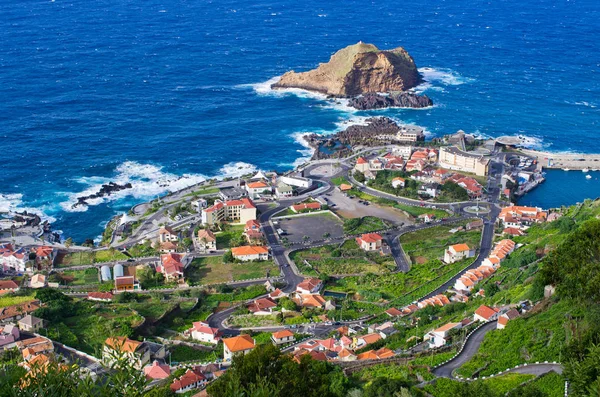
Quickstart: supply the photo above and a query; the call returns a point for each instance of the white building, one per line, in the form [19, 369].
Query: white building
[250, 253]
[204, 333]
[297, 181]
[457, 252]
[455, 159]
[439, 337]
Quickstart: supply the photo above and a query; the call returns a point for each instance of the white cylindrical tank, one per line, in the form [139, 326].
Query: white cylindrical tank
[105, 273]
[118, 270]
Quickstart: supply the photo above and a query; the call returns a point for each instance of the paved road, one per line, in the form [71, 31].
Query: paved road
[469, 350]
[537, 369]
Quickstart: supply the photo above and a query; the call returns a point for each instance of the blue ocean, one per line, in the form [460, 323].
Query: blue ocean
[163, 94]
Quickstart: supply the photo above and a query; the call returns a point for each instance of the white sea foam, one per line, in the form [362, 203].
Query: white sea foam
[264, 88]
[438, 78]
[11, 203]
[147, 181]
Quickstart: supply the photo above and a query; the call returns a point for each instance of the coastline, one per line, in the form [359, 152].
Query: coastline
[571, 161]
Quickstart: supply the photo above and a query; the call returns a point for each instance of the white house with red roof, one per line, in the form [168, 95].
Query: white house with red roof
[485, 313]
[458, 252]
[309, 286]
[189, 381]
[362, 164]
[171, 267]
[370, 241]
[206, 240]
[277, 294]
[235, 211]
[250, 253]
[13, 259]
[398, 182]
[202, 332]
[100, 296]
[262, 306]
[167, 234]
[439, 337]
[257, 188]
[283, 336]
[253, 233]
[157, 371]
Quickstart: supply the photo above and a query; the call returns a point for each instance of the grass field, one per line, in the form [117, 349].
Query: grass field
[89, 257]
[9, 299]
[415, 211]
[231, 237]
[212, 270]
[206, 190]
[182, 353]
[345, 259]
[429, 244]
[365, 224]
[338, 180]
[80, 277]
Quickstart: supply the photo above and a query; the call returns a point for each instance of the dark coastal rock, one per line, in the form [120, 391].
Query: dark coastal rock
[357, 69]
[376, 131]
[105, 190]
[401, 99]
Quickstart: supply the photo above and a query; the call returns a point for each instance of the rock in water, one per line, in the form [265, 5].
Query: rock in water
[105, 190]
[401, 100]
[357, 69]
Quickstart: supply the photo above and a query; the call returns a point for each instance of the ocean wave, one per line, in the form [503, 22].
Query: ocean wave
[11, 203]
[435, 76]
[147, 180]
[264, 89]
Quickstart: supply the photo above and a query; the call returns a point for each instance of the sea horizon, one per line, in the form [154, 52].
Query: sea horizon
[152, 96]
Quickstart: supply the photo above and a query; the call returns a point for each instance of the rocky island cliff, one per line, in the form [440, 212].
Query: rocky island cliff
[355, 70]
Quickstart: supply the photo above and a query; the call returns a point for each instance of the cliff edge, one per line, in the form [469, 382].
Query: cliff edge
[357, 69]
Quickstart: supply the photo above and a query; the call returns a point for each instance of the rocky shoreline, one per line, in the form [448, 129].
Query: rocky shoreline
[105, 190]
[376, 132]
[400, 100]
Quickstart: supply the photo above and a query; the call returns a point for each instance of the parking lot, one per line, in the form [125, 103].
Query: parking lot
[352, 208]
[315, 226]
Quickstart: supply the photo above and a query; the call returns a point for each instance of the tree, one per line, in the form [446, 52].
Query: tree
[267, 372]
[187, 243]
[228, 257]
[359, 176]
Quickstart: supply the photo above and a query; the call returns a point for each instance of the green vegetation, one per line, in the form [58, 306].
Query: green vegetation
[89, 257]
[212, 270]
[265, 371]
[231, 236]
[365, 224]
[492, 387]
[449, 192]
[428, 244]
[182, 353]
[12, 299]
[338, 180]
[346, 258]
[203, 191]
[142, 250]
[77, 277]
[82, 324]
[69, 381]
[548, 385]
[415, 211]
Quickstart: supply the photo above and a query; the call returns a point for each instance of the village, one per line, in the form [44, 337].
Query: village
[198, 276]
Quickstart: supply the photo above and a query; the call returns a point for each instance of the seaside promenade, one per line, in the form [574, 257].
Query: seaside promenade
[571, 161]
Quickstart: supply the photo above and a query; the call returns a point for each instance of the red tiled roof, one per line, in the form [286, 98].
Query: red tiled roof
[486, 312]
[8, 284]
[100, 295]
[361, 160]
[239, 343]
[157, 371]
[249, 250]
[257, 185]
[286, 333]
[123, 344]
[371, 237]
[189, 378]
[393, 312]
